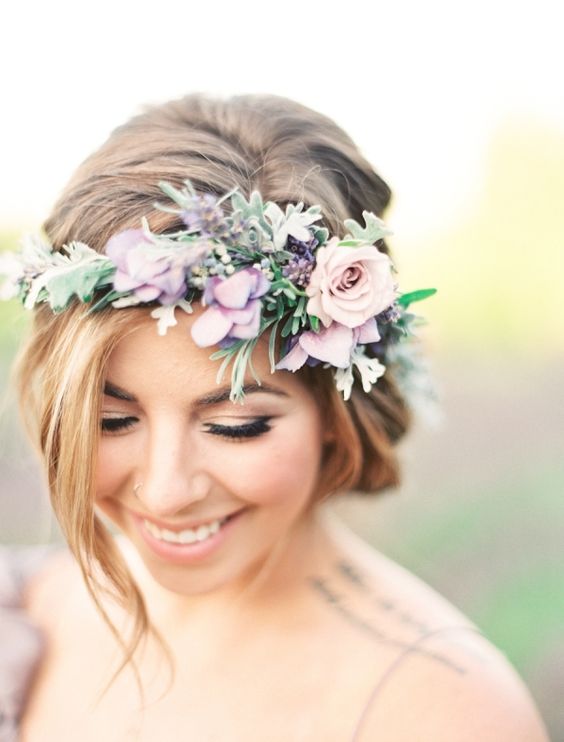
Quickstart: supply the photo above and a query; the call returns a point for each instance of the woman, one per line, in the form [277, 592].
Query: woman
[206, 593]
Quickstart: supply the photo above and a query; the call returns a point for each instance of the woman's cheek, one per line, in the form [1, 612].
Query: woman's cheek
[110, 470]
[282, 472]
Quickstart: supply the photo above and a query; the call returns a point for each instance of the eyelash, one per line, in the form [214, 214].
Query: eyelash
[116, 424]
[233, 432]
[241, 432]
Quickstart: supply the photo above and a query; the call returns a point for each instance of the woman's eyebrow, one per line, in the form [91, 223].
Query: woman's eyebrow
[115, 391]
[223, 394]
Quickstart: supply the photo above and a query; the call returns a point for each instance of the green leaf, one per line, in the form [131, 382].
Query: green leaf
[105, 300]
[280, 308]
[287, 329]
[314, 322]
[80, 281]
[239, 369]
[406, 299]
[351, 243]
[321, 234]
[223, 367]
[252, 368]
[272, 346]
[231, 350]
[375, 228]
[300, 309]
[173, 193]
[252, 209]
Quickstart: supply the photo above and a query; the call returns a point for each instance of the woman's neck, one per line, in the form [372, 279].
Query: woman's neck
[269, 590]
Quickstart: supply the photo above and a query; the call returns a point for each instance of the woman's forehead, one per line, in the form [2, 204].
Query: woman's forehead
[145, 362]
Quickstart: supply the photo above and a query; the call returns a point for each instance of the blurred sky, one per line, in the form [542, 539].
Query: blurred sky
[420, 86]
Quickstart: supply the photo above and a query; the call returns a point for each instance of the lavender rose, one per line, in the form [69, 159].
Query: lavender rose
[144, 270]
[350, 284]
[334, 345]
[234, 308]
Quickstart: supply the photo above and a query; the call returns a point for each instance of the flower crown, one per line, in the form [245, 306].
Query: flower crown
[257, 269]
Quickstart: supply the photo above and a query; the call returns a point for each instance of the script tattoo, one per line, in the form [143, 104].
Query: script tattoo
[352, 575]
[338, 603]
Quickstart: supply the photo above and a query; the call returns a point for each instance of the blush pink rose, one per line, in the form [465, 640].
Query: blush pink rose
[350, 284]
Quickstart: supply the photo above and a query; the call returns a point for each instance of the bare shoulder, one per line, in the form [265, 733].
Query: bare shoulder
[434, 675]
[484, 700]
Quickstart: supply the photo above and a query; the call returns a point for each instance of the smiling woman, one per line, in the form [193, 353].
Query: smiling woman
[194, 509]
[216, 483]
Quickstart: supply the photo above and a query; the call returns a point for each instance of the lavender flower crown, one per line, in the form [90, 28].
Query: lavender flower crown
[333, 301]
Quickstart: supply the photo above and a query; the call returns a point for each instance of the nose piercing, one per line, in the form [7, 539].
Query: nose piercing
[137, 488]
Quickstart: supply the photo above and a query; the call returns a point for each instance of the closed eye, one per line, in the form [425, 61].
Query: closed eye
[249, 430]
[116, 424]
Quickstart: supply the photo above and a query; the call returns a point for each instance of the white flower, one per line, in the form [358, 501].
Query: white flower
[294, 222]
[165, 315]
[370, 370]
[126, 301]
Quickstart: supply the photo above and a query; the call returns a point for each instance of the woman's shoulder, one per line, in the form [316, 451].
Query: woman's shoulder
[432, 670]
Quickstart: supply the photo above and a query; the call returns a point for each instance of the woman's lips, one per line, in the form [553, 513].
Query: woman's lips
[188, 553]
[192, 525]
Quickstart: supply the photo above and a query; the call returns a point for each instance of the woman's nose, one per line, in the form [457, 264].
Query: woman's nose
[171, 478]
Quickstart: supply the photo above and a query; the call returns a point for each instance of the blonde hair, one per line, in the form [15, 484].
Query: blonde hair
[272, 144]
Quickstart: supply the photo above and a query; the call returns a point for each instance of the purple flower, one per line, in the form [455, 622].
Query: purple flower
[333, 345]
[203, 214]
[144, 270]
[234, 308]
[299, 269]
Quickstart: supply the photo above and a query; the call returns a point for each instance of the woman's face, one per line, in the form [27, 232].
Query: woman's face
[176, 456]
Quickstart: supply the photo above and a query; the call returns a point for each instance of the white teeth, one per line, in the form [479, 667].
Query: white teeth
[188, 536]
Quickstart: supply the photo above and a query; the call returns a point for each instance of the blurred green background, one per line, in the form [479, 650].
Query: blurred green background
[480, 514]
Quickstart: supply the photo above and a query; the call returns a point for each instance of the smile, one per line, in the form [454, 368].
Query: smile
[187, 536]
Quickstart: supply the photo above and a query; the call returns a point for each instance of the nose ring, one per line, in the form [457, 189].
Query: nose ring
[137, 488]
